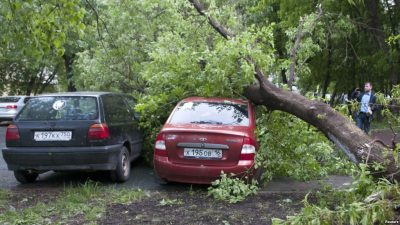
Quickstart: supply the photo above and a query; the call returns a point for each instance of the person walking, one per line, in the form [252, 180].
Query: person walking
[367, 101]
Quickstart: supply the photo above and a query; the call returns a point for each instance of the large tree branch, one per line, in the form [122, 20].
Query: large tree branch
[214, 23]
[49, 79]
[339, 129]
[299, 36]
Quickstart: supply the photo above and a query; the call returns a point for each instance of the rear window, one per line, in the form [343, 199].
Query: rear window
[60, 108]
[215, 113]
[9, 99]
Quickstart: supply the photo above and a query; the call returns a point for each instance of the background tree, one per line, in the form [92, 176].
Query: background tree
[37, 43]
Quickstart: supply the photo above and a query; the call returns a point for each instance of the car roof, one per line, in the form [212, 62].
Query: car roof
[222, 100]
[80, 93]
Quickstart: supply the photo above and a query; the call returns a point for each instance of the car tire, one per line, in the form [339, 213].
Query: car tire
[123, 170]
[25, 177]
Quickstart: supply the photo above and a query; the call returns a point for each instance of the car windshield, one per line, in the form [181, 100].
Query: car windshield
[59, 108]
[215, 113]
[9, 99]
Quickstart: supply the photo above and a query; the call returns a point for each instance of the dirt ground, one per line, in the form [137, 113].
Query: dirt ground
[24, 198]
[197, 208]
[188, 204]
[182, 205]
[386, 136]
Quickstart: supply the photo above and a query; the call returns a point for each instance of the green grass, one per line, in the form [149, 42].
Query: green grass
[84, 203]
[126, 195]
[4, 197]
[379, 125]
[383, 125]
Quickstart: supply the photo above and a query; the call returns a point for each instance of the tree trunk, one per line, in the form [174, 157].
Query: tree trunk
[397, 4]
[46, 82]
[394, 19]
[30, 85]
[333, 97]
[281, 51]
[328, 67]
[284, 78]
[68, 61]
[357, 145]
[293, 52]
[379, 35]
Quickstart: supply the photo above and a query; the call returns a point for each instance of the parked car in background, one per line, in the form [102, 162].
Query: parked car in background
[87, 131]
[10, 106]
[204, 136]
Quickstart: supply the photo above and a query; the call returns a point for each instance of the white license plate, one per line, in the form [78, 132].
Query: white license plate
[202, 153]
[53, 135]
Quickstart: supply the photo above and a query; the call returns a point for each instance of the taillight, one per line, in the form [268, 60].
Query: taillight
[11, 107]
[249, 149]
[159, 148]
[98, 131]
[12, 133]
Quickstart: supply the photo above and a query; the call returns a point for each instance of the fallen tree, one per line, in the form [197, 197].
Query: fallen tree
[358, 146]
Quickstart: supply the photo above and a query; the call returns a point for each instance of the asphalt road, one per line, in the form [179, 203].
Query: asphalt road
[6, 177]
[142, 177]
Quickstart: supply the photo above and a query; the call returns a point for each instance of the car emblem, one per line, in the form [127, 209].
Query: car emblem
[203, 139]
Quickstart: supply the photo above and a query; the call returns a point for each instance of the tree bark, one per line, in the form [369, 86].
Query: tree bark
[397, 4]
[394, 19]
[357, 145]
[30, 85]
[46, 82]
[379, 35]
[68, 61]
[328, 67]
[284, 78]
[293, 52]
[333, 97]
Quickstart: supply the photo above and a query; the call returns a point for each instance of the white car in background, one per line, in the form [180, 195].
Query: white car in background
[10, 106]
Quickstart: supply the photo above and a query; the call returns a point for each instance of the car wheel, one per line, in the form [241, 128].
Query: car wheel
[25, 177]
[123, 170]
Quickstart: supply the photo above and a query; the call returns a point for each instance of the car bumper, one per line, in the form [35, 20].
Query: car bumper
[7, 117]
[10, 115]
[199, 174]
[62, 158]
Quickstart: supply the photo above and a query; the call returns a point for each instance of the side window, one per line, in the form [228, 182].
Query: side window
[132, 103]
[116, 110]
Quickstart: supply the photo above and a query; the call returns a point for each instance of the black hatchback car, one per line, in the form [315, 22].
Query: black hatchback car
[88, 131]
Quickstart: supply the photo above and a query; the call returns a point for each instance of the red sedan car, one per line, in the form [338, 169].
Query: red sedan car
[204, 136]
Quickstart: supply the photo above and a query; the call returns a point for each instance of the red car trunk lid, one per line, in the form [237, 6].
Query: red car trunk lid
[227, 140]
